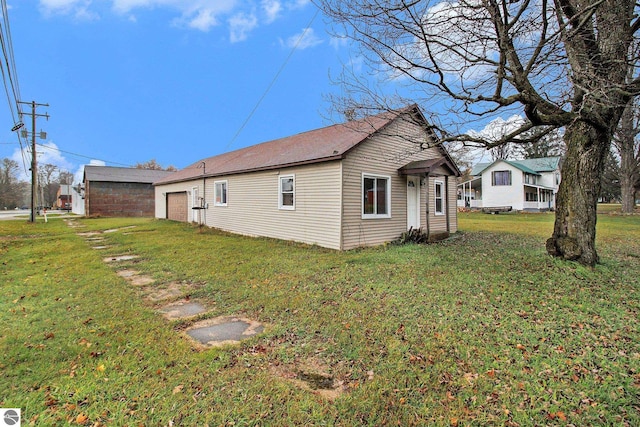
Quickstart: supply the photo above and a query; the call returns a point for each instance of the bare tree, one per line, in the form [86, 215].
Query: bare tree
[47, 183]
[627, 147]
[152, 164]
[563, 63]
[547, 146]
[10, 196]
[65, 177]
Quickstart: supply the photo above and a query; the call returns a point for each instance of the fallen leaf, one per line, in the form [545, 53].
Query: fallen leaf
[178, 388]
[521, 347]
[491, 373]
[81, 419]
[100, 368]
[49, 335]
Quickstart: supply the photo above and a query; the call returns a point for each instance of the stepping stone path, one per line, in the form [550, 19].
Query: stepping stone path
[182, 309]
[223, 331]
[207, 333]
[120, 258]
[170, 291]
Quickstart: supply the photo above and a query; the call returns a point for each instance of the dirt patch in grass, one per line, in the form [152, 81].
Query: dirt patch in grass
[168, 291]
[311, 375]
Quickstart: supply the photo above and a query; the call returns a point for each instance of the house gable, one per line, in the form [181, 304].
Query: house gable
[325, 171]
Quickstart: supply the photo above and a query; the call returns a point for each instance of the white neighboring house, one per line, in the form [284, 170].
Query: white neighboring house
[77, 199]
[520, 185]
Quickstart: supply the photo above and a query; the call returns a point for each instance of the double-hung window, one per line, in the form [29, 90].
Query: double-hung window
[286, 192]
[220, 193]
[501, 178]
[439, 197]
[376, 196]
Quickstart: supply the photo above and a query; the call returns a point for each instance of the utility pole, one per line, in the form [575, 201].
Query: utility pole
[34, 160]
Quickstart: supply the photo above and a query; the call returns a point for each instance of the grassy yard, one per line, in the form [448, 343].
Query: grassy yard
[482, 329]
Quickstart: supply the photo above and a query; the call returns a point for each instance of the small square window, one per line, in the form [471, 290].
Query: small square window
[287, 192]
[220, 193]
[501, 178]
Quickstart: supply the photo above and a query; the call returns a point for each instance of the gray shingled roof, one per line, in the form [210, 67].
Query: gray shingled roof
[118, 174]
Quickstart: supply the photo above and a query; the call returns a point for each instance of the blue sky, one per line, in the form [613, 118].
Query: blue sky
[173, 80]
[128, 81]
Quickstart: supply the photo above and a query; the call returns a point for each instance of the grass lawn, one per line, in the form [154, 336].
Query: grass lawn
[482, 329]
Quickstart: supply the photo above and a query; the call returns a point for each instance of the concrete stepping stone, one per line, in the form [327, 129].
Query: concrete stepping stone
[127, 273]
[95, 240]
[100, 247]
[164, 294]
[120, 258]
[223, 330]
[182, 309]
[113, 230]
[135, 278]
[141, 280]
[89, 233]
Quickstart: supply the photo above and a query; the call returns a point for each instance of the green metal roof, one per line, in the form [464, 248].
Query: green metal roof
[532, 166]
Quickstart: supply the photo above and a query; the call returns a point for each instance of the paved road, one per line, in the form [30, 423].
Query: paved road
[24, 214]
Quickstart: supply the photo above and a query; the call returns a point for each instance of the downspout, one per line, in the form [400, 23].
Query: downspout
[203, 213]
[426, 185]
[446, 201]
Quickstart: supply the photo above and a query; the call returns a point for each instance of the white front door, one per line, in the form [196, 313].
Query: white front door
[195, 202]
[413, 202]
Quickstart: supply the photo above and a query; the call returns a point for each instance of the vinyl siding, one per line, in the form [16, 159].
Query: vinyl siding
[383, 154]
[253, 209]
[161, 192]
[451, 204]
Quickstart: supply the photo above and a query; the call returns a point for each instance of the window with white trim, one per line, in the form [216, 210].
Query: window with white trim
[501, 177]
[286, 192]
[439, 197]
[376, 196]
[220, 193]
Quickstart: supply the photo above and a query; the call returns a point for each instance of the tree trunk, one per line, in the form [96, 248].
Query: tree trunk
[574, 232]
[626, 144]
[627, 194]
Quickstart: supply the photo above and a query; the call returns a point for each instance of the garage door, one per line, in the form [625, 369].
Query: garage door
[177, 207]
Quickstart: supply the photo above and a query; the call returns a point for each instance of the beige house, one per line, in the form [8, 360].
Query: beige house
[360, 183]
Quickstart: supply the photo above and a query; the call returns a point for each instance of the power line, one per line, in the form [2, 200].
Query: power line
[9, 60]
[273, 81]
[81, 155]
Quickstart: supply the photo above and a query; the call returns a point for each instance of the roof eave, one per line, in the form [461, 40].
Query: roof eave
[251, 170]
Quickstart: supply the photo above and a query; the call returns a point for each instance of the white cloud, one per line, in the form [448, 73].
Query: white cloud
[272, 9]
[241, 17]
[79, 9]
[203, 20]
[48, 153]
[79, 173]
[299, 4]
[339, 42]
[302, 40]
[240, 25]
[498, 128]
